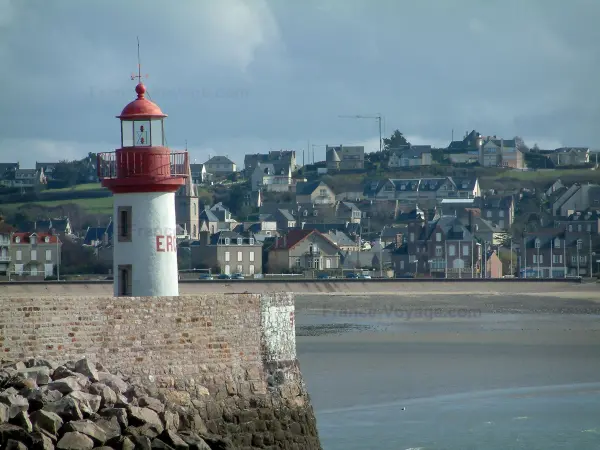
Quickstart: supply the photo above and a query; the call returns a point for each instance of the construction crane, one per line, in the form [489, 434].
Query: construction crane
[377, 117]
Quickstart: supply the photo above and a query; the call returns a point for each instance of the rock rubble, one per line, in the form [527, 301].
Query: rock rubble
[80, 406]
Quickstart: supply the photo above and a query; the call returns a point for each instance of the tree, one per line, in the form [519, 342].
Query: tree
[396, 140]
[520, 144]
[66, 172]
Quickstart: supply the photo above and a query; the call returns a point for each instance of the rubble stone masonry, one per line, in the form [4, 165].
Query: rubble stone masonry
[231, 356]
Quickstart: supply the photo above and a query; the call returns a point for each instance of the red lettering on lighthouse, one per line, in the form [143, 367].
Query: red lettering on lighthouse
[166, 243]
[159, 244]
[169, 243]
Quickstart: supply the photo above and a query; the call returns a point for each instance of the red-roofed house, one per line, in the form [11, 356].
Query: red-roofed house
[35, 255]
[300, 250]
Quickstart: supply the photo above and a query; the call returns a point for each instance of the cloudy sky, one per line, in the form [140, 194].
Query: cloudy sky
[244, 76]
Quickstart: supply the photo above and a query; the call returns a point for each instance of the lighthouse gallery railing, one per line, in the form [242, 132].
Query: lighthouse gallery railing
[141, 163]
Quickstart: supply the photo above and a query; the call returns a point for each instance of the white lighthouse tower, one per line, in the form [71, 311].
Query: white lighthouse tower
[143, 176]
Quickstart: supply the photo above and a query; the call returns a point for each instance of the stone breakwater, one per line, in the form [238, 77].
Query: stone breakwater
[80, 406]
[226, 360]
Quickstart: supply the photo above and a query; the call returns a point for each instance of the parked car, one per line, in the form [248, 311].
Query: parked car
[224, 276]
[237, 276]
[406, 275]
[323, 276]
[364, 276]
[352, 275]
[206, 276]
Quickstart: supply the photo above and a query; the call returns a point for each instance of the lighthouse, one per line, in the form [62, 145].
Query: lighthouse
[143, 175]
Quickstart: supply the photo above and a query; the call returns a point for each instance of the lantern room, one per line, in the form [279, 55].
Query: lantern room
[142, 122]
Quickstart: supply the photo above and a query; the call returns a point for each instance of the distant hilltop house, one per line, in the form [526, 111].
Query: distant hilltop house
[344, 157]
[277, 157]
[7, 171]
[27, 178]
[272, 177]
[420, 189]
[315, 192]
[199, 173]
[220, 166]
[488, 151]
[570, 156]
[411, 156]
[46, 167]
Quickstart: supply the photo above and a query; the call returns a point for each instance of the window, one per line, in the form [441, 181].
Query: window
[19, 269]
[438, 237]
[251, 240]
[438, 251]
[465, 251]
[34, 255]
[451, 250]
[535, 259]
[240, 256]
[315, 213]
[125, 288]
[195, 211]
[47, 239]
[33, 240]
[227, 241]
[537, 243]
[48, 255]
[579, 227]
[17, 240]
[33, 272]
[251, 256]
[227, 269]
[239, 268]
[239, 241]
[579, 244]
[541, 259]
[412, 237]
[588, 228]
[226, 256]
[124, 223]
[574, 259]
[556, 243]
[19, 255]
[500, 213]
[297, 262]
[489, 214]
[251, 269]
[570, 227]
[305, 213]
[555, 258]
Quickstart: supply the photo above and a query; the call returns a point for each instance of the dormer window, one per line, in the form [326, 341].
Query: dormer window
[251, 241]
[239, 241]
[47, 239]
[315, 213]
[537, 243]
[305, 213]
[32, 240]
[17, 240]
[579, 244]
[557, 243]
[226, 241]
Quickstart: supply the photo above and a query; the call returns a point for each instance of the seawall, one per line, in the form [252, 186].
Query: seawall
[299, 287]
[230, 356]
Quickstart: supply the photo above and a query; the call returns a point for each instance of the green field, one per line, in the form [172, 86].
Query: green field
[76, 188]
[102, 205]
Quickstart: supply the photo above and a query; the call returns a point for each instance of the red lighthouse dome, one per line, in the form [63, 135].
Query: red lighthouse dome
[143, 163]
[141, 107]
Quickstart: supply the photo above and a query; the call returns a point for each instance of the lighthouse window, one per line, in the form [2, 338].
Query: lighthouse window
[125, 280]
[124, 223]
[141, 130]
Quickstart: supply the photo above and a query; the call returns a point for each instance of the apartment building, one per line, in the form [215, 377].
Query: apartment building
[227, 252]
[34, 255]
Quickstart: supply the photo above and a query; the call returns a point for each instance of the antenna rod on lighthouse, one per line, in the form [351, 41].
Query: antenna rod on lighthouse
[139, 61]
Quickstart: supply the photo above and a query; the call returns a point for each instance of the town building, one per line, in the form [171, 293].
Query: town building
[272, 177]
[345, 157]
[220, 166]
[413, 156]
[6, 231]
[570, 156]
[199, 173]
[301, 250]
[315, 192]
[34, 255]
[227, 252]
[187, 206]
[278, 157]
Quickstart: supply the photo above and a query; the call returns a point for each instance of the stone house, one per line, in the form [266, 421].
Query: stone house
[279, 157]
[46, 168]
[220, 166]
[272, 177]
[467, 187]
[7, 172]
[499, 210]
[343, 241]
[208, 221]
[417, 189]
[34, 255]
[570, 156]
[6, 231]
[587, 221]
[555, 253]
[414, 156]
[501, 153]
[27, 178]
[199, 173]
[316, 192]
[227, 252]
[348, 212]
[345, 157]
[578, 197]
[301, 250]
[349, 193]
[443, 247]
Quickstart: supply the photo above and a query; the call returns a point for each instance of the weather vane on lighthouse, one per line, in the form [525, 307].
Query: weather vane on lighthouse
[139, 75]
